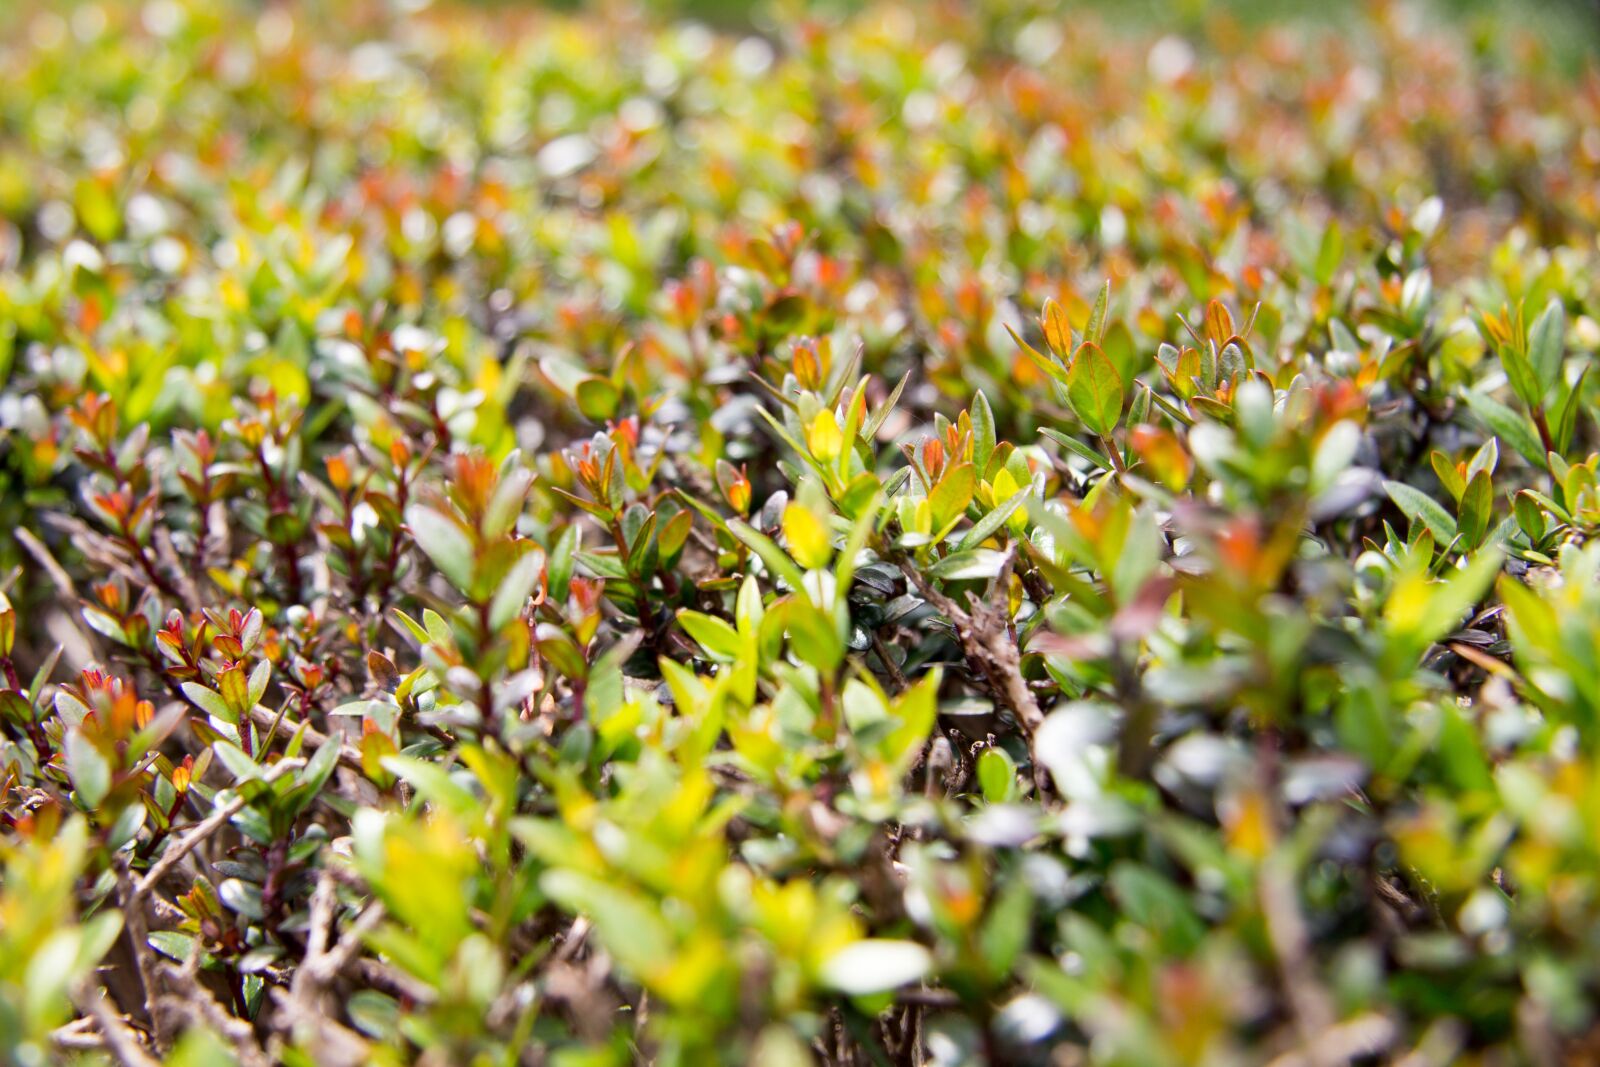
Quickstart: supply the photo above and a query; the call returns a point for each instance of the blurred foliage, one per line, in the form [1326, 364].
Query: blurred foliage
[966, 533]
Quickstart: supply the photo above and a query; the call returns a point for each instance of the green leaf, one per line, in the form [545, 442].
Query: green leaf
[979, 563]
[259, 677]
[1567, 412]
[445, 543]
[631, 928]
[1007, 926]
[210, 701]
[1448, 475]
[813, 633]
[1524, 382]
[1529, 516]
[713, 634]
[983, 433]
[952, 495]
[1078, 448]
[1094, 389]
[242, 767]
[415, 628]
[604, 565]
[173, 945]
[312, 777]
[1095, 331]
[1546, 339]
[1044, 363]
[997, 775]
[986, 527]
[1477, 504]
[1511, 427]
[1460, 752]
[433, 784]
[508, 499]
[597, 398]
[1155, 903]
[1451, 599]
[561, 557]
[774, 557]
[89, 770]
[1420, 507]
[515, 588]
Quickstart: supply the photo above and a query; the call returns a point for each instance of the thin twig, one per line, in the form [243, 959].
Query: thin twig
[78, 1034]
[896, 675]
[47, 560]
[204, 829]
[986, 641]
[1309, 1005]
[300, 1013]
[195, 1001]
[329, 966]
[116, 1035]
[312, 738]
[138, 931]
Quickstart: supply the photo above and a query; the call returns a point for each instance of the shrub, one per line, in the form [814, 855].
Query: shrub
[564, 539]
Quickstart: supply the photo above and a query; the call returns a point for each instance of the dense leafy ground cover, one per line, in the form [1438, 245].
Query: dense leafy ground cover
[958, 534]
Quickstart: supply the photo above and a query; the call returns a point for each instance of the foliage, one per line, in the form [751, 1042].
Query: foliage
[933, 535]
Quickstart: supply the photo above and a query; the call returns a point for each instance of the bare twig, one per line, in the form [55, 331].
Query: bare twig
[313, 738]
[202, 830]
[323, 901]
[1365, 1035]
[985, 639]
[168, 554]
[301, 1013]
[77, 1035]
[138, 931]
[48, 562]
[195, 1002]
[895, 674]
[115, 1033]
[334, 961]
[1309, 1004]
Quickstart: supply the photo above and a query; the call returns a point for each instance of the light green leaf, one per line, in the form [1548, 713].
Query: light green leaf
[1094, 388]
[89, 770]
[714, 635]
[515, 588]
[952, 494]
[1420, 507]
[210, 701]
[597, 398]
[445, 543]
[1477, 503]
[1546, 339]
[1511, 427]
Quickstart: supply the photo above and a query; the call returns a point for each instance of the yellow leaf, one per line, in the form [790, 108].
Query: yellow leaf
[807, 536]
[824, 437]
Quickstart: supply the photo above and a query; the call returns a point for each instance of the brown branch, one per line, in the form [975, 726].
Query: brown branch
[138, 931]
[114, 1033]
[79, 1034]
[195, 1001]
[896, 675]
[48, 562]
[985, 638]
[202, 830]
[1309, 1005]
[312, 738]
